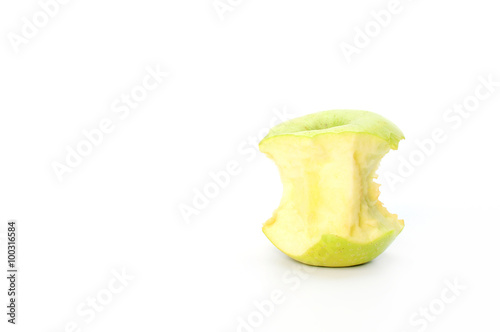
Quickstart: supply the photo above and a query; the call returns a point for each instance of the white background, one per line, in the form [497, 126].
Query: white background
[119, 208]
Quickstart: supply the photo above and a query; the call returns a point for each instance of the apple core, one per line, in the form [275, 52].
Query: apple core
[329, 214]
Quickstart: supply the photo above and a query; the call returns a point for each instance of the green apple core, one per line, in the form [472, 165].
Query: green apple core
[329, 214]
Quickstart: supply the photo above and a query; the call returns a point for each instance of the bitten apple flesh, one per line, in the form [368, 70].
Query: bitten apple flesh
[329, 213]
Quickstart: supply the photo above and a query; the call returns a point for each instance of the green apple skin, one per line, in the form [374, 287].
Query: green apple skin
[334, 251]
[329, 214]
[336, 122]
